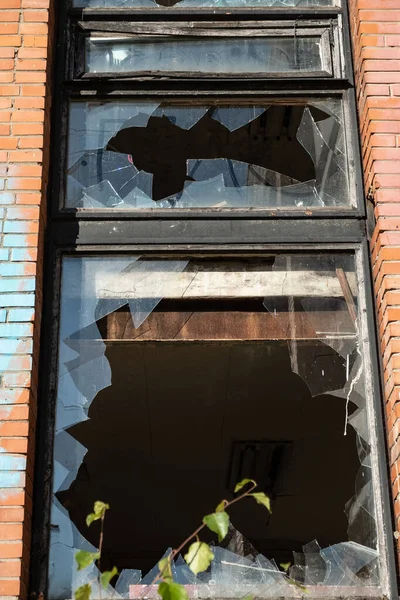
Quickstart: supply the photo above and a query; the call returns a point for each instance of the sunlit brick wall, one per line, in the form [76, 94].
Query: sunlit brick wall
[24, 133]
[375, 28]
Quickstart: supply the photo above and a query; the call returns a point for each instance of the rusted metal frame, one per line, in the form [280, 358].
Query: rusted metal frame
[228, 230]
[193, 74]
[207, 28]
[168, 14]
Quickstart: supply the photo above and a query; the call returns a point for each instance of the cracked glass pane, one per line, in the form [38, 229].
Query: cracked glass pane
[202, 3]
[288, 156]
[297, 55]
[213, 369]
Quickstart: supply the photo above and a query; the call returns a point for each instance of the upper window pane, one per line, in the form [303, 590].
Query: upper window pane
[291, 55]
[287, 155]
[204, 3]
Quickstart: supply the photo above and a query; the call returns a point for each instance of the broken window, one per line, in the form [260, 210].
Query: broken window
[257, 366]
[268, 155]
[226, 338]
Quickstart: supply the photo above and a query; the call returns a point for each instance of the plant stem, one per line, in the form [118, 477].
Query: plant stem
[188, 539]
[101, 549]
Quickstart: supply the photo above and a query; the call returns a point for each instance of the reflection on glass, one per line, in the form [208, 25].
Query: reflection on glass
[125, 155]
[204, 3]
[180, 376]
[240, 55]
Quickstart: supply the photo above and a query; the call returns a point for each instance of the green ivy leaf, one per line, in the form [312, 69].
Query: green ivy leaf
[84, 559]
[242, 483]
[221, 506]
[249, 597]
[199, 557]
[99, 509]
[165, 569]
[218, 522]
[83, 592]
[106, 577]
[169, 590]
[263, 499]
[285, 566]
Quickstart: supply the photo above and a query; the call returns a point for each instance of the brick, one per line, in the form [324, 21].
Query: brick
[31, 142]
[20, 183]
[10, 568]
[37, 41]
[24, 254]
[17, 346]
[24, 171]
[18, 299]
[14, 429]
[11, 550]
[35, 3]
[8, 16]
[18, 412]
[30, 76]
[23, 214]
[41, 29]
[21, 227]
[13, 515]
[6, 65]
[15, 444]
[12, 497]
[28, 198]
[10, 269]
[10, 587]
[10, 40]
[28, 116]
[14, 277]
[6, 52]
[21, 315]
[10, 531]
[35, 16]
[33, 90]
[26, 156]
[32, 129]
[14, 330]
[29, 102]
[7, 143]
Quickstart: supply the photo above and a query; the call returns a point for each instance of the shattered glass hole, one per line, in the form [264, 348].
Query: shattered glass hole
[211, 370]
[148, 156]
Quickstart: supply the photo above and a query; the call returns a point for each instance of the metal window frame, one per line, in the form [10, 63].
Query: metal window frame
[80, 232]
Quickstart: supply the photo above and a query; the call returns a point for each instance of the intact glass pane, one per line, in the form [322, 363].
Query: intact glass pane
[148, 155]
[240, 55]
[180, 376]
[204, 3]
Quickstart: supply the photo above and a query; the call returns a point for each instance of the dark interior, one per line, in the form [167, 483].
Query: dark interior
[269, 141]
[183, 420]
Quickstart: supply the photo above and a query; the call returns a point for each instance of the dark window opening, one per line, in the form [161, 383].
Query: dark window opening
[180, 376]
[144, 155]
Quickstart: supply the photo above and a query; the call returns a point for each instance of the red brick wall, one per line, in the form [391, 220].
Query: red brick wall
[24, 132]
[375, 26]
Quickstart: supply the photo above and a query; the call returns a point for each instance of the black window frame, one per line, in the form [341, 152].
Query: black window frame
[87, 231]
